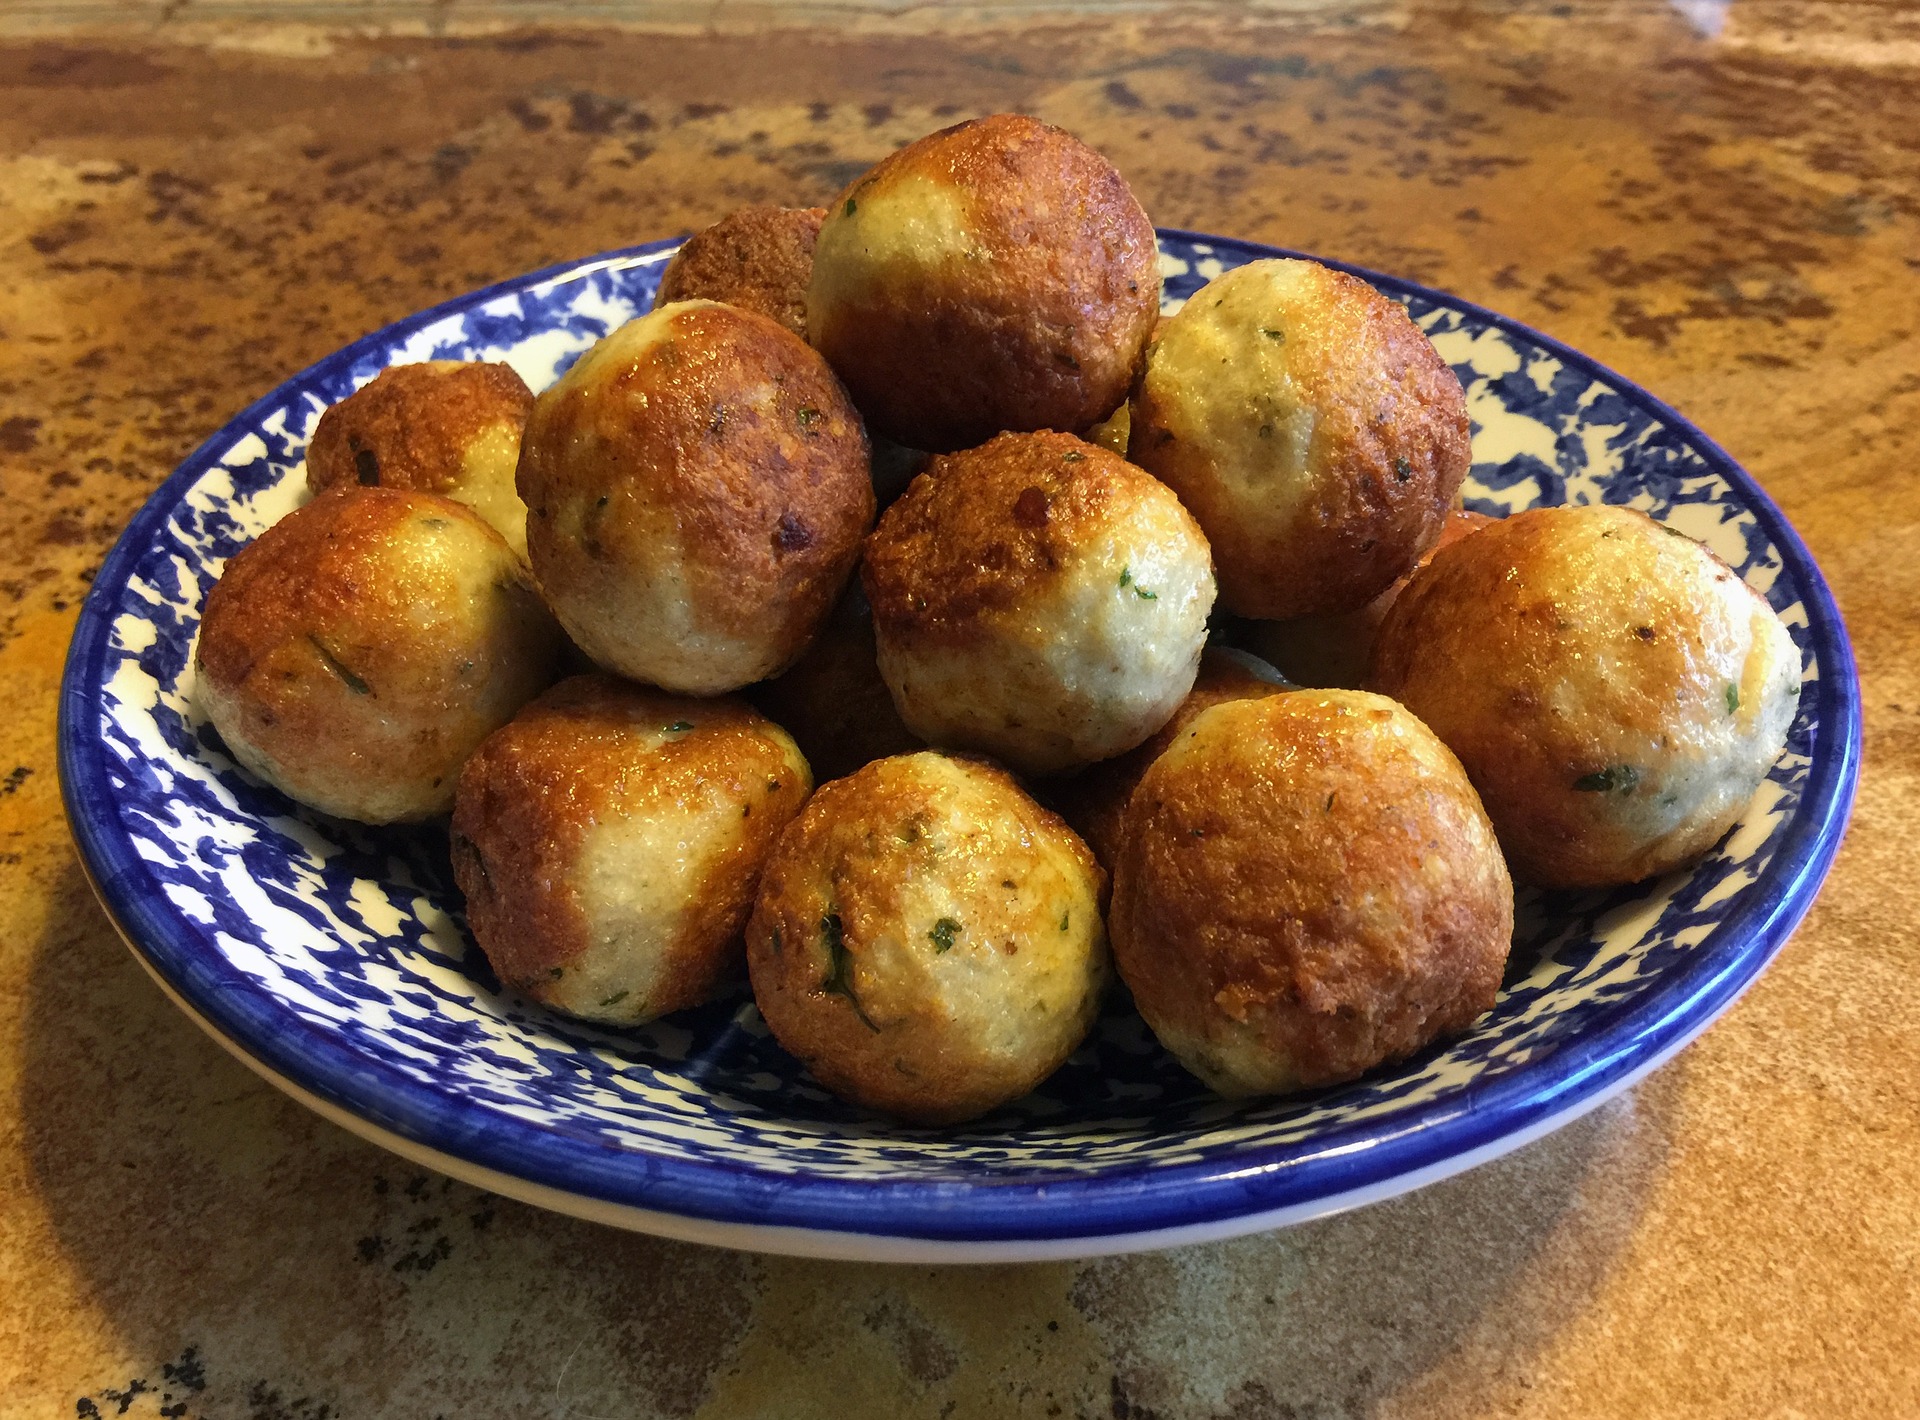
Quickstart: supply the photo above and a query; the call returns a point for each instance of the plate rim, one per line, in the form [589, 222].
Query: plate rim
[1364, 1157]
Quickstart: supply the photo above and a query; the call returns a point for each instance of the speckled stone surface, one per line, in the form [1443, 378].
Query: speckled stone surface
[1721, 201]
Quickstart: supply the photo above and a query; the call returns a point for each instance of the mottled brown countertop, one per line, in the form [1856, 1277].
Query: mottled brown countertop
[1720, 201]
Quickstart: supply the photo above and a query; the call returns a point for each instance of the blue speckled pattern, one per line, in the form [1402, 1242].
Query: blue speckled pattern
[336, 955]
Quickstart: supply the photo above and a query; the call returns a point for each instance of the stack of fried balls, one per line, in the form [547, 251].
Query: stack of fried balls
[921, 781]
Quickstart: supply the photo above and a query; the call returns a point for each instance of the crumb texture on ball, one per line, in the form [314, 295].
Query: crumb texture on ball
[1311, 427]
[1615, 690]
[928, 939]
[358, 650]
[1308, 887]
[610, 841]
[758, 258]
[1095, 800]
[1040, 599]
[443, 426]
[997, 275]
[698, 488]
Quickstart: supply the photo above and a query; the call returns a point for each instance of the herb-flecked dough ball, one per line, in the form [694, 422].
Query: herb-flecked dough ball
[1039, 599]
[928, 939]
[610, 841]
[356, 652]
[698, 488]
[1094, 801]
[1307, 887]
[997, 275]
[758, 258]
[1615, 690]
[444, 426]
[1311, 427]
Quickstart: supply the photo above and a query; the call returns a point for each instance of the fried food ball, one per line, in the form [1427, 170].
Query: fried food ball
[698, 490]
[995, 275]
[833, 701]
[1040, 599]
[758, 258]
[357, 651]
[444, 426]
[928, 939]
[1094, 801]
[1311, 427]
[610, 841]
[1615, 690]
[1307, 887]
[1333, 650]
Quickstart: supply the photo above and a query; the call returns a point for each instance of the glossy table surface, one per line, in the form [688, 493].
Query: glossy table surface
[1720, 200]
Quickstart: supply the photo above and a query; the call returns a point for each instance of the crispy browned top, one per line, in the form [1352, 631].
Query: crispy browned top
[732, 435]
[980, 530]
[587, 753]
[410, 426]
[757, 258]
[1040, 324]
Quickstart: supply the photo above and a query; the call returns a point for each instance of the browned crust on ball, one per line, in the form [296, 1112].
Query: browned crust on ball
[1249, 889]
[579, 757]
[1391, 446]
[411, 425]
[1473, 648]
[304, 637]
[942, 1082]
[757, 258]
[1095, 801]
[833, 701]
[1043, 329]
[768, 510]
[981, 529]
[1333, 650]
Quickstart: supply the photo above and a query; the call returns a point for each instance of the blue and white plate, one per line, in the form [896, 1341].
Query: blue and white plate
[333, 959]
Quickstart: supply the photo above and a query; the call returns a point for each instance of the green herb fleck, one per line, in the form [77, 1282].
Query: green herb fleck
[434, 523]
[339, 668]
[1402, 470]
[1066, 919]
[850, 208]
[1270, 332]
[1671, 532]
[679, 727]
[556, 972]
[774, 941]
[1615, 778]
[1126, 580]
[615, 999]
[839, 980]
[1072, 458]
[1733, 698]
[807, 415]
[943, 933]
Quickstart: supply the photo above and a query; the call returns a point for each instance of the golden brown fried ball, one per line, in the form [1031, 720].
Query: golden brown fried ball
[1307, 887]
[610, 841]
[1333, 650]
[1094, 801]
[833, 701]
[1615, 690]
[928, 939]
[995, 275]
[445, 426]
[1040, 599]
[758, 258]
[360, 648]
[698, 489]
[1311, 427]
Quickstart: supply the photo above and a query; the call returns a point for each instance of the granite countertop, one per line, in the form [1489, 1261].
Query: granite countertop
[1721, 201]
